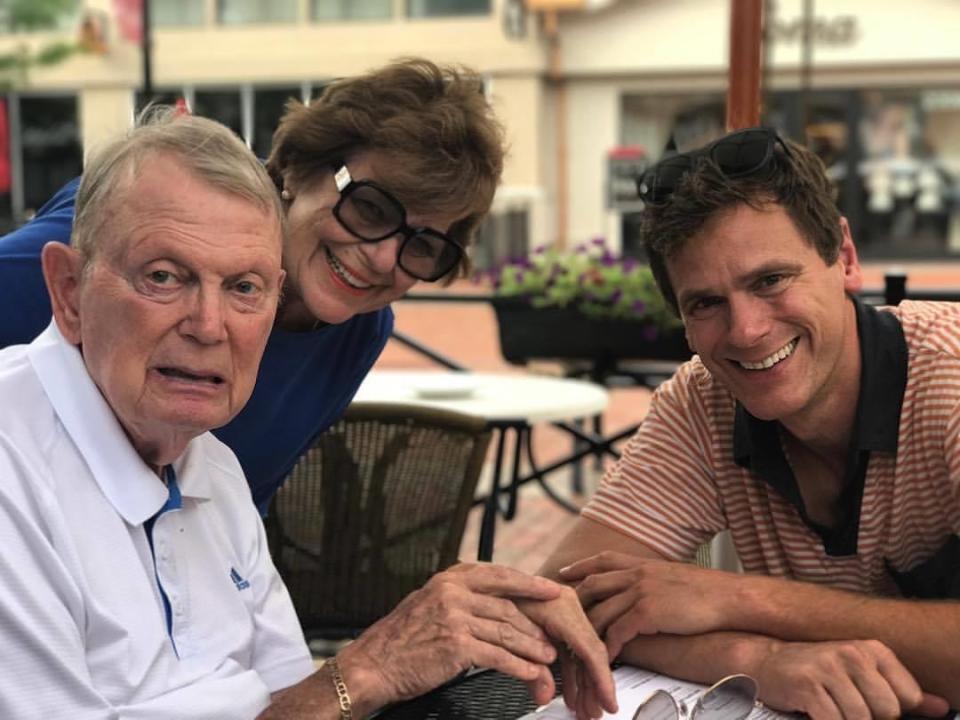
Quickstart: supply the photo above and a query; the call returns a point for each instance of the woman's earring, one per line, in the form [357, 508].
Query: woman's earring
[285, 195]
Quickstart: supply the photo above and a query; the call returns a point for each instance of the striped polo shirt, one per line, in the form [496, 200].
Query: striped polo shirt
[699, 465]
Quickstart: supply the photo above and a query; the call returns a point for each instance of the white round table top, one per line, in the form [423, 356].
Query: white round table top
[492, 396]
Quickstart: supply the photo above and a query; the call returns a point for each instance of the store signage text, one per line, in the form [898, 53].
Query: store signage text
[834, 31]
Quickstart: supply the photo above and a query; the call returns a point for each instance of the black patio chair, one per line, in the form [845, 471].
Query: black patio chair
[373, 509]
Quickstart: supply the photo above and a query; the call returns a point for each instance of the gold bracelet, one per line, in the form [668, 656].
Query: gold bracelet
[343, 697]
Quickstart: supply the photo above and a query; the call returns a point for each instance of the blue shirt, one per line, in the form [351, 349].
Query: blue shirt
[306, 379]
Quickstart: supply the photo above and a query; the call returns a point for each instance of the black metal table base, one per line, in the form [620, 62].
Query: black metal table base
[503, 496]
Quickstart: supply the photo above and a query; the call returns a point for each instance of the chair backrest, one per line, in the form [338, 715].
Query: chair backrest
[376, 506]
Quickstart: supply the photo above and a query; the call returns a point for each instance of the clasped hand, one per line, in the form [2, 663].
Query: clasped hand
[626, 596]
[482, 615]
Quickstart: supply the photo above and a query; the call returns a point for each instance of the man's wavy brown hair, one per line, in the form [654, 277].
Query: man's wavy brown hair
[796, 181]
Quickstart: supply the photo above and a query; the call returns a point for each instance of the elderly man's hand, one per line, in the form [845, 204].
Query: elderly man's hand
[843, 679]
[626, 596]
[588, 687]
[463, 617]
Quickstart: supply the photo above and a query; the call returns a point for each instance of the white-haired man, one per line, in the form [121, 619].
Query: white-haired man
[135, 578]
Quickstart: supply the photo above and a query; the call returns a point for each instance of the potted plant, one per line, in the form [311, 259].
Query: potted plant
[587, 304]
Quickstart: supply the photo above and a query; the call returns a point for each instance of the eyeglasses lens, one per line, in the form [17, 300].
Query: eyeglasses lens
[370, 214]
[732, 698]
[659, 706]
[743, 153]
[428, 256]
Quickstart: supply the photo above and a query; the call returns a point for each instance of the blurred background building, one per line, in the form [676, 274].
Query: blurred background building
[589, 91]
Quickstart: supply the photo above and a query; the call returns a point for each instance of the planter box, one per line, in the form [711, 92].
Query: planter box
[528, 333]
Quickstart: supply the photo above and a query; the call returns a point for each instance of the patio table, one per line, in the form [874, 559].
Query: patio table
[508, 402]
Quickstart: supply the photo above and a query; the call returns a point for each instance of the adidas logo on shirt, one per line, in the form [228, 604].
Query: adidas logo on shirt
[237, 580]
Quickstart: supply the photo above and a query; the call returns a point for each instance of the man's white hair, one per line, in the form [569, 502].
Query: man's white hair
[204, 147]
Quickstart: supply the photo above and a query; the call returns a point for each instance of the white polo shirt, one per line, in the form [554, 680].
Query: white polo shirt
[83, 631]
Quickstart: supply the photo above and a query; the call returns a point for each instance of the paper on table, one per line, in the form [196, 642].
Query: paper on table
[635, 685]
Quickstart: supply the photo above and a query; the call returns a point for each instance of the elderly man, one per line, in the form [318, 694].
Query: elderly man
[135, 576]
[823, 433]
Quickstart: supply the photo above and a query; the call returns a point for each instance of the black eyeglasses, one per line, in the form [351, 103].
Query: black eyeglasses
[733, 698]
[741, 153]
[370, 213]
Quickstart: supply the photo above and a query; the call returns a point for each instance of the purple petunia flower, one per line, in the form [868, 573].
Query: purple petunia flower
[615, 296]
[608, 259]
[639, 307]
[599, 241]
[630, 263]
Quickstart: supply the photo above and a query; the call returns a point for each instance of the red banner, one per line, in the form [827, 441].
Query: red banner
[4, 148]
[129, 14]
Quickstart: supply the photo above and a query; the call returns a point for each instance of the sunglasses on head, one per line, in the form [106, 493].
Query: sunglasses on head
[732, 698]
[739, 154]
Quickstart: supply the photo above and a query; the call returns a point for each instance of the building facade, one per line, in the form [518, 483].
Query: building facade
[589, 91]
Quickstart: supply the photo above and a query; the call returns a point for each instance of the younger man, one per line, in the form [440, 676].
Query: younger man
[823, 433]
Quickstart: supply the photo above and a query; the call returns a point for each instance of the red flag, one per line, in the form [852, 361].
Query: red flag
[5, 181]
[129, 15]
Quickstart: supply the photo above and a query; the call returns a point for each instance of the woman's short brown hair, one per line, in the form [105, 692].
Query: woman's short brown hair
[433, 121]
[795, 180]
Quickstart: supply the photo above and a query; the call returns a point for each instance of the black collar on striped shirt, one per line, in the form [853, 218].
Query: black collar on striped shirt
[883, 379]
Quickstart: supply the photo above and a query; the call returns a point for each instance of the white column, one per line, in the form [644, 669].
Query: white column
[104, 112]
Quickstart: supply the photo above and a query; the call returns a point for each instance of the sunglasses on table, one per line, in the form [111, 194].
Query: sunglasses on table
[739, 154]
[732, 698]
[371, 214]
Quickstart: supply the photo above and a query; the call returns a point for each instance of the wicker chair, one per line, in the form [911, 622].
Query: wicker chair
[375, 507]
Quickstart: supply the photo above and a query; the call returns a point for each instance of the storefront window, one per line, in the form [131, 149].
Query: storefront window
[439, 8]
[650, 122]
[894, 156]
[334, 10]
[909, 173]
[177, 13]
[501, 236]
[250, 12]
[268, 106]
[50, 147]
[221, 105]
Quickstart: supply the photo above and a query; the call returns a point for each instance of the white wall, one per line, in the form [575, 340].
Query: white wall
[592, 130]
[654, 36]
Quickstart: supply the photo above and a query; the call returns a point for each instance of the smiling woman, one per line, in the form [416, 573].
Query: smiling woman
[418, 138]
[426, 169]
